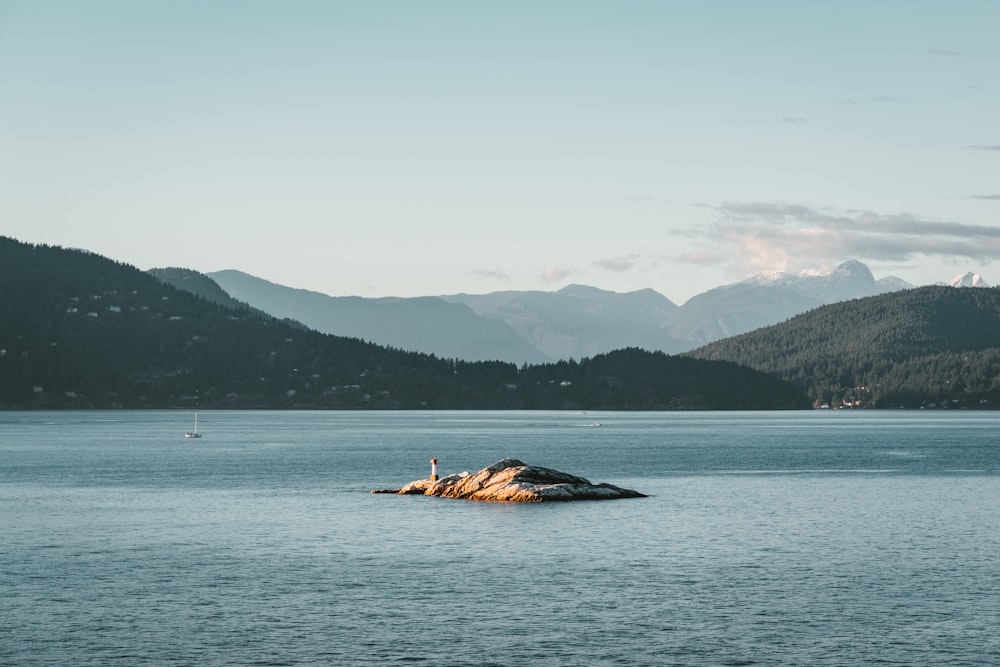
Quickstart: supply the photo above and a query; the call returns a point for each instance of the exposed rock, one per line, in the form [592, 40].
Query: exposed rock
[511, 480]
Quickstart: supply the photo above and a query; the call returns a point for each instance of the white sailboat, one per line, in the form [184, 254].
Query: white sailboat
[194, 433]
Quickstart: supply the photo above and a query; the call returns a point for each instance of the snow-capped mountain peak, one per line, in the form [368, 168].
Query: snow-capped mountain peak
[969, 279]
[849, 280]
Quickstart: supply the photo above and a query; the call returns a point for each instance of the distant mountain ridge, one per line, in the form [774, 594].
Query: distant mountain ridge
[851, 277]
[772, 297]
[579, 321]
[574, 322]
[424, 324]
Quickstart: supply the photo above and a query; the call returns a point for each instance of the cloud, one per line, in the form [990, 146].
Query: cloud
[751, 237]
[996, 197]
[555, 274]
[618, 264]
[945, 53]
[494, 274]
[984, 147]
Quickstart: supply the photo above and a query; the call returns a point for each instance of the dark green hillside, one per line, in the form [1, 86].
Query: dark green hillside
[935, 346]
[201, 285]
[78, 330]
[196, 283]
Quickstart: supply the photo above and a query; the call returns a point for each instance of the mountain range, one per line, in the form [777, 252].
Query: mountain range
[78, 330]
[421, 324]
[574, 322]
[81, 331]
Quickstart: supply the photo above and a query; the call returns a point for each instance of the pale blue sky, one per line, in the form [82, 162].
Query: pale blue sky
[411, 148]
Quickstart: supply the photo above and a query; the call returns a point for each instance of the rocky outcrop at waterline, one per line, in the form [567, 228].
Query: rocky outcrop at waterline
[511, 480]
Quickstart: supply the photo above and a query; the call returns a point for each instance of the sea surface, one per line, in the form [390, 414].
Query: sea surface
[806, 538]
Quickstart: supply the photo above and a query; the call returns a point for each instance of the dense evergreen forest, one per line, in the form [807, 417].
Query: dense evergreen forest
[81, 331]
[931, 347]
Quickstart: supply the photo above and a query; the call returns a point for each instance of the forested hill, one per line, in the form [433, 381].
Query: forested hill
[80, 331]
[201, 285]
[925, 347]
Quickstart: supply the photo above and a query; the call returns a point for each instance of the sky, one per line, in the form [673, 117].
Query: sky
[408, 148]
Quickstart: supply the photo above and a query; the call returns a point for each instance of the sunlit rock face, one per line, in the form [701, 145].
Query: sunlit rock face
[511, 480]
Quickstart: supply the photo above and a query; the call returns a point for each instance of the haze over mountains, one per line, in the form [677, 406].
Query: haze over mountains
[572, 323]
[423, 324]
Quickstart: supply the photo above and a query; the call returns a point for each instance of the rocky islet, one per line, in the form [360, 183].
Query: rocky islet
[512, 480]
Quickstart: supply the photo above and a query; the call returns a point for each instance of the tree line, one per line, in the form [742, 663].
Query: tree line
[925, 347]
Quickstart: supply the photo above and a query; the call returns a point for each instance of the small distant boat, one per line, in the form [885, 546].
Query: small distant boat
[194, 433]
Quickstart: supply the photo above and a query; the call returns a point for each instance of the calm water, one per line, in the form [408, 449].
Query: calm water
[814, 538]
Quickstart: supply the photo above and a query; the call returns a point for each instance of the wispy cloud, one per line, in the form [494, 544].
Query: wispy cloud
[555, 274]
[756, 236]
[995, 197]
[984, 147]
[618, 264]
[491, 274]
